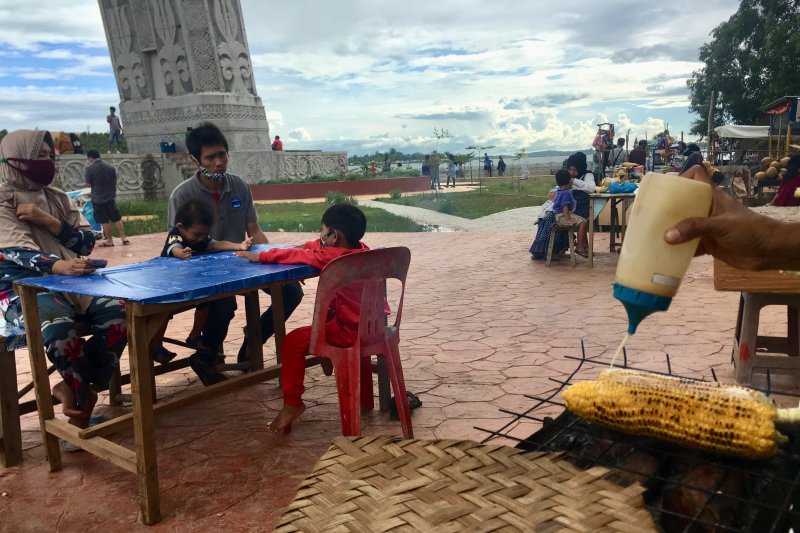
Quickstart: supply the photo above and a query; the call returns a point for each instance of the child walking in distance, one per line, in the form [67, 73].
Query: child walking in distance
[341, 230]
[190, 236]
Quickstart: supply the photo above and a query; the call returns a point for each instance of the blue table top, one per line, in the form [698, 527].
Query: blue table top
[170, 280]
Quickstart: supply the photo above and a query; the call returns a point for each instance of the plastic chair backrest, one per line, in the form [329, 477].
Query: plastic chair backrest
[370, 269]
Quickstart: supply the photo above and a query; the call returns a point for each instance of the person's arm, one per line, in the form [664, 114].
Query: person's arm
[79, 241]
[580, 185]
[565, 212]
[218, 246]
[738, 236]
[45, 262]
[172, 210]
[256, 234]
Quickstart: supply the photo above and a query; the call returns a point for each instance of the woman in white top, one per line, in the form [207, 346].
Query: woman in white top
[583, 184]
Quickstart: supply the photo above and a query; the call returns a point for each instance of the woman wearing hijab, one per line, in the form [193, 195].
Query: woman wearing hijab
[583, 184]
[41, 235]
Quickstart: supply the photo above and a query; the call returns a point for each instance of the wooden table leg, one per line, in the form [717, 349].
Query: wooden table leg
[591, 232]
[10, 432]
[278, 320]
[614, 222]
[255, 350]
[41, 381]
[143, 415]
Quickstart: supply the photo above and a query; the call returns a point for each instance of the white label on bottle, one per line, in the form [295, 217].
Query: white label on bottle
[669, 281]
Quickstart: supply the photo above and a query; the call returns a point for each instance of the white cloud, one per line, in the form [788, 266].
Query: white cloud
[370, 75]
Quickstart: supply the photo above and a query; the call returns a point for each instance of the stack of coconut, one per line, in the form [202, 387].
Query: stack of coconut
[772, 168]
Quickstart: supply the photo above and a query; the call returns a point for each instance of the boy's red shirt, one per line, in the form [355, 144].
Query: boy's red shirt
[346, 306]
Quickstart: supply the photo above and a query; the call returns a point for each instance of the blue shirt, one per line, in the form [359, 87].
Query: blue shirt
[563, 197]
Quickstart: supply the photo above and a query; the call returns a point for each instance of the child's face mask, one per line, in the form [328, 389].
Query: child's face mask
[325, 237]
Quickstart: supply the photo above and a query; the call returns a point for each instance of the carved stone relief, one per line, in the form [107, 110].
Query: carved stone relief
[234, 58]
[205, 63]
[128, 64]
[195, 114]
[137, 176]
[301, 165]
[144, 26]
[172, 57]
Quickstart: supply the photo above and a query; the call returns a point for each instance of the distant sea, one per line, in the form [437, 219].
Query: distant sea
[477, 165]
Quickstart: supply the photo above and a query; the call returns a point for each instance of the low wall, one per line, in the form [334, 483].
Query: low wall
[296, 191]
[155, 176]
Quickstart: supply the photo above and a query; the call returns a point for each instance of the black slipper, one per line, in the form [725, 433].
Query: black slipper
[413, 403]
[201, 369]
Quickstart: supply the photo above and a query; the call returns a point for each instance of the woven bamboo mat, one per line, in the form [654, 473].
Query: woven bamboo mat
[373, 484]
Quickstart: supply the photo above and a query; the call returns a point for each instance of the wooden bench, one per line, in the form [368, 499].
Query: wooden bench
[11, 339]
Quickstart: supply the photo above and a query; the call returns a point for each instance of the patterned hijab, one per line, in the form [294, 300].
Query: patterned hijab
[16, 189]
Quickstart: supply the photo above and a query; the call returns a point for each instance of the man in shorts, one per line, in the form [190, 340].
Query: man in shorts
[114, 129]
[102, 178]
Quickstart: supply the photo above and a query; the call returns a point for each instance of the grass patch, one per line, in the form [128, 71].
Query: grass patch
[299, 216]
[156, 208]
[495, 195]
[291, 216]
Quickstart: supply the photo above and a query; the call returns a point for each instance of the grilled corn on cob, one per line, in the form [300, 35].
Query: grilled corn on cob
[728, 420]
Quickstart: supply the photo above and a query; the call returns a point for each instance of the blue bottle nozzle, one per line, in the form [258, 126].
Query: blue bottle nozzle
[639, 304]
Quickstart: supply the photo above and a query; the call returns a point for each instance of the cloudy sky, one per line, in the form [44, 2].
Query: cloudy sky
[367, 75]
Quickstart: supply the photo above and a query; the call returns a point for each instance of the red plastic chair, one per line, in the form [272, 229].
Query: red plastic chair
[352, 365]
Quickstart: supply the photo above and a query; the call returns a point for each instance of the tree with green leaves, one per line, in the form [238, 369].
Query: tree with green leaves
[753, 59]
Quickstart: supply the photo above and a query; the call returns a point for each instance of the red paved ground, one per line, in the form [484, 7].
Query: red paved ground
[483, 326]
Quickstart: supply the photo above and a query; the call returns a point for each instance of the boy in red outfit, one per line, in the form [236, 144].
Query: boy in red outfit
[341, 230]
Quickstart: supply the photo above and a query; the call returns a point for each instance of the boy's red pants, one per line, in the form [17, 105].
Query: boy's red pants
[295, 349]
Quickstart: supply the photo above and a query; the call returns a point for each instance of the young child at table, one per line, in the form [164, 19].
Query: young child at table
[193, 223]
[564, 203]
[341, 230]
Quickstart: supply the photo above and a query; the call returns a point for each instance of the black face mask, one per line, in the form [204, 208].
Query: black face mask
[216, 177]
[40, 171]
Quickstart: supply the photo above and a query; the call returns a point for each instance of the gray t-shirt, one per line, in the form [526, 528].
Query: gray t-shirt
[234, 206]
[103, 179]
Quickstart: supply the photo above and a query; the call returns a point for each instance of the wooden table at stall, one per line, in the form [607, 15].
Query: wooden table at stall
[727, 278]
[774, 286]
[152, 290]
[596, 204]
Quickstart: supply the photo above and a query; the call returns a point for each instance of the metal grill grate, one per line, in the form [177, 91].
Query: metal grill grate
[687, 490]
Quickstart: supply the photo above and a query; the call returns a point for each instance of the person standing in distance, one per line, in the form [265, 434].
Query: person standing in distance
[277, 144]
[230, 199]
[114, 129]
[102, 178]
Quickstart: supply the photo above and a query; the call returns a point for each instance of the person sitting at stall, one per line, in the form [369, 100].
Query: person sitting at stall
[341, 230]
[583, 184]
[639, 154]
[187, 239]
[789, 184]
[42, 234]
[619, 154]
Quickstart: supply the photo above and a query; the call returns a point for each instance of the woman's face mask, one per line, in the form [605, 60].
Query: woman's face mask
[40, 171]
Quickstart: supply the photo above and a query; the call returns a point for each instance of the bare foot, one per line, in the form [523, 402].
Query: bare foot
[288, 414]
[77, 416]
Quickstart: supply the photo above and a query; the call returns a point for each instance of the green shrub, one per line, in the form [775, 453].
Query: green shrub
[395, 194]
[336, 197]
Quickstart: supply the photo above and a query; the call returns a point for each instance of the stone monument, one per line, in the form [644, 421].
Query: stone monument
[181, 62]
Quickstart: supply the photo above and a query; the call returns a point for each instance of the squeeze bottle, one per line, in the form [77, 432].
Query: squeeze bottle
[650, 270]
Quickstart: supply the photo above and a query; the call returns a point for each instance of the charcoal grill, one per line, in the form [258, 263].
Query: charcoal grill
[686, 490]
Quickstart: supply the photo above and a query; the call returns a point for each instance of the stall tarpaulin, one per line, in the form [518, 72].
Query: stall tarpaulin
[734, 131]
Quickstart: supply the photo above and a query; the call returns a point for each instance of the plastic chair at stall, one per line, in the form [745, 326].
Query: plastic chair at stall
[352, 365]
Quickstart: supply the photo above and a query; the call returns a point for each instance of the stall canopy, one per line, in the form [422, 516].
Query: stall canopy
[732, 131]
